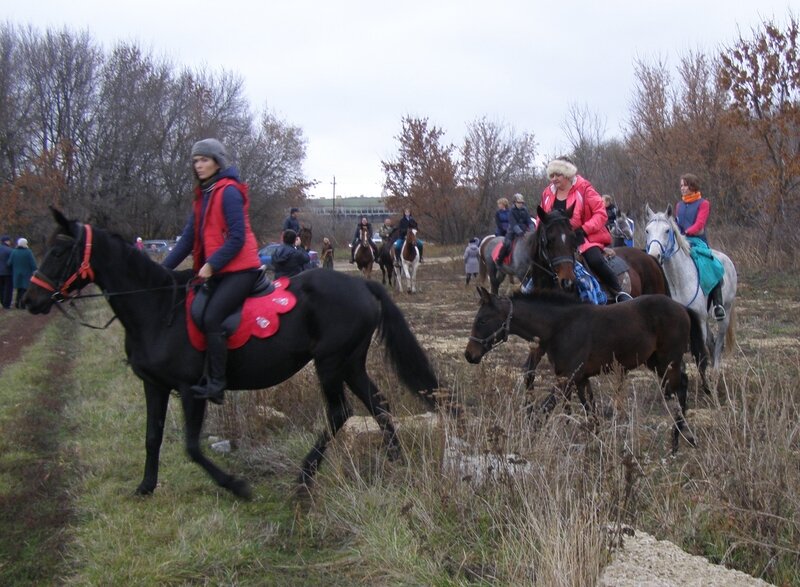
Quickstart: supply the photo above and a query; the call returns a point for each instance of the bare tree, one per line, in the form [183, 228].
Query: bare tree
[495, 163]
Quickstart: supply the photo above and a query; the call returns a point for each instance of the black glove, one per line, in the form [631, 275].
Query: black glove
[580, 235]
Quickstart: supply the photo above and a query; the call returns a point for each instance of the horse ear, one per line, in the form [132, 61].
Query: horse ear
[648, 211]
[669, 211]
[570, 210]
[541, 213]
[486, 297]
[61, 220]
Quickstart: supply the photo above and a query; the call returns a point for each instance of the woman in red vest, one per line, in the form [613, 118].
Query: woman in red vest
[224, 251]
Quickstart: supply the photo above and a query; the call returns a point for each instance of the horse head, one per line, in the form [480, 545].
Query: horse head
[662, 235]
[305, 236]
[66, 267]
[491, 326]
[553, 248]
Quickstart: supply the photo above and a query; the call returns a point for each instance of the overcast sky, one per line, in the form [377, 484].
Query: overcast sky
[346, 72]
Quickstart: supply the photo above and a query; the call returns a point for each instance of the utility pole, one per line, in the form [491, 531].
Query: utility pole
[334, 195]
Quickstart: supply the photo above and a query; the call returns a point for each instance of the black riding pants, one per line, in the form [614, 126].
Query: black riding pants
[227, 291]
[594, 258]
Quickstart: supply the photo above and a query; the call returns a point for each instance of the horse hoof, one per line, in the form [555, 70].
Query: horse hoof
[143, 491]
[240, 488]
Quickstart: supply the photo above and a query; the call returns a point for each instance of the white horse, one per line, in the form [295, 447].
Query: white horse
[671, 249]
[408, 262]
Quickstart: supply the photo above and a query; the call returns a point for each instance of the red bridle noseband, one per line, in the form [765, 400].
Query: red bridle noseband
[84, 271]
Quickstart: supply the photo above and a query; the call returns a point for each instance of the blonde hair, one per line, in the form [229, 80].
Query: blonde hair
[503, 202]
[608, 200]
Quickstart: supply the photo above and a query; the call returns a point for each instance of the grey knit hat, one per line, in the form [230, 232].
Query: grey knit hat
[214, 149]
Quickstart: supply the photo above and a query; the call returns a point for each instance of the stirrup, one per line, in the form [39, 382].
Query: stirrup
[623, 296]
[719, 312]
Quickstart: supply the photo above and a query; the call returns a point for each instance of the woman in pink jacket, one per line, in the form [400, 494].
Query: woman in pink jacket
[589, 217]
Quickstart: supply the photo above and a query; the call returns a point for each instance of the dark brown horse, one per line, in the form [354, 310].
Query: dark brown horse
[385, 259]
[364, 255]
[583, 340]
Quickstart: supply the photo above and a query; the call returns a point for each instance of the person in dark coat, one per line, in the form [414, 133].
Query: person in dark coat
[363, 223]
[291, 222]
[290, 258]
[22, 264]
[6, 280]
[501, 217]
[519, 222]
[407, 222]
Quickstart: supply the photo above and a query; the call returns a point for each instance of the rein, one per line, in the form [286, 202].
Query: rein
[500, 335]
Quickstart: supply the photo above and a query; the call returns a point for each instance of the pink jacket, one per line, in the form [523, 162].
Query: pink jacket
[589, 214]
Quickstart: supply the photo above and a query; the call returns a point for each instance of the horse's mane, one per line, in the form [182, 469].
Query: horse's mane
[550, 296]
[141, 266]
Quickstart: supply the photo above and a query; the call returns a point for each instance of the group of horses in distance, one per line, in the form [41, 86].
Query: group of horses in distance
[394, 267]
[337, 317]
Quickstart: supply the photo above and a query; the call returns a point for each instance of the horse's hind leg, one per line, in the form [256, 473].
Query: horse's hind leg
[535, 353]
[675, 381]
[194, 411]
[365, 390]
[157, 400]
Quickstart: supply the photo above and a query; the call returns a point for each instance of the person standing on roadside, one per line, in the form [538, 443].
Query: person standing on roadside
[22, 264]
[6, 281]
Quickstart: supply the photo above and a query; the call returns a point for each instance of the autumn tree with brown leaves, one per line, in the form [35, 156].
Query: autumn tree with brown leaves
[762, 76]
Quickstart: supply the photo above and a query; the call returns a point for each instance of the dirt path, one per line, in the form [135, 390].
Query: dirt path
[34, 505]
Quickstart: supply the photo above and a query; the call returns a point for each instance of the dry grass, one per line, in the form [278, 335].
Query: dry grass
[450, 511]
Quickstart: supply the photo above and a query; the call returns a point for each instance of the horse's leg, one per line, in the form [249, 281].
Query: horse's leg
[697, 344]
[365, 389]
[535, 354]
[194, 411]
[337, 411]
[587, 401]
[157, 399]
[674, 381]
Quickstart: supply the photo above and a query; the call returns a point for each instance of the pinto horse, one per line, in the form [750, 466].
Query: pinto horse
[364, 255]
[333, 324]
[581, 341]
[408, 262]
[671, 249]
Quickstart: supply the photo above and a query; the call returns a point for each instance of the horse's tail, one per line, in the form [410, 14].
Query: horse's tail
[483, 271]
[730, 335]
[409, 359]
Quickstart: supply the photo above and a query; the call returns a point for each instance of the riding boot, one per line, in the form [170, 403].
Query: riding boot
[213, 389]
[352, 255]
[716, 299]
[607, 275]
[503, 252]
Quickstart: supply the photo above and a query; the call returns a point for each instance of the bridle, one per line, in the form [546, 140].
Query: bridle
[552, 263]
[500, 335]
[669, 251]
[672, 244]
[60, 291]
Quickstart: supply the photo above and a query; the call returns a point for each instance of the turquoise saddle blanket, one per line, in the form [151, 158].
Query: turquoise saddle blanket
[709, 267]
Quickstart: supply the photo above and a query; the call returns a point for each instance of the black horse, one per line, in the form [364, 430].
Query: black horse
[332, 324]
[583, 340]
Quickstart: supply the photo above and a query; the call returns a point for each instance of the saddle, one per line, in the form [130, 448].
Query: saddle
[509, 257]
[258, 316]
